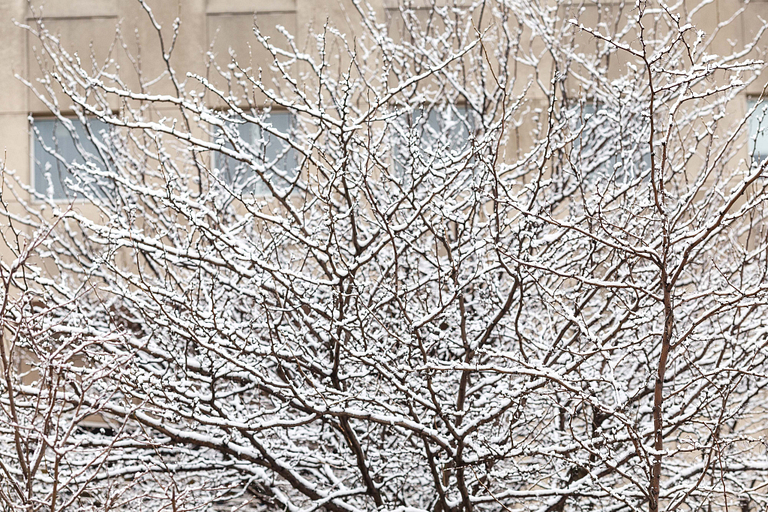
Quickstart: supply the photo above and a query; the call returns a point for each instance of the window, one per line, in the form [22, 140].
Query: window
[273, 155]
[594, 152]
[600, 151]
[758, 130]
[430, 140]
[66, 163]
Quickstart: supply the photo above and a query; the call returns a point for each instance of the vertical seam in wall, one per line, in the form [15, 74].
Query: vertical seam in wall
[25, 101]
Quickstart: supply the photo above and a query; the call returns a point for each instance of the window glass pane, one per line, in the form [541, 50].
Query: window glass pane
[596, 155]
[449, 127]
[758, 130]
[600, 152]
[58, 162]
[430, 140]
[271, 153]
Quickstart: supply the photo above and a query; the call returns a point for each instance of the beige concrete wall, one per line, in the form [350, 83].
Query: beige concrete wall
[88, 30]
[222, 27]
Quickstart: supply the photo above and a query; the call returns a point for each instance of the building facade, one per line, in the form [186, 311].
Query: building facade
[212, 33]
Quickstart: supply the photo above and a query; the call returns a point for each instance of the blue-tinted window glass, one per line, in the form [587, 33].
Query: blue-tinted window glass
[599, 151]
[758, 130]
[429, 138]
[58, 155]
[271, 153]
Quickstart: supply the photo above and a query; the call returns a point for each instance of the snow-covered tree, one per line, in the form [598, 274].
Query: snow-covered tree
[502, 256]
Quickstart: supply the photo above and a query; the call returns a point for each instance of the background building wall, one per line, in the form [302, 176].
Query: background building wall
[211, 33]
